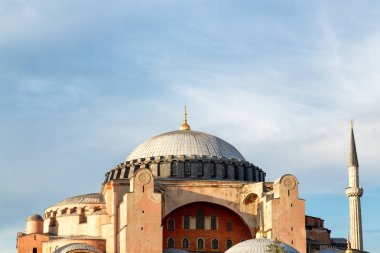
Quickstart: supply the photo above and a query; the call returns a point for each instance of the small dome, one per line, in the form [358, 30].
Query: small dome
[35, 217]
[259, 245]
[185, 142]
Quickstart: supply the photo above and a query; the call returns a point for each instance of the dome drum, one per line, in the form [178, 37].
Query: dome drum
[194, 167]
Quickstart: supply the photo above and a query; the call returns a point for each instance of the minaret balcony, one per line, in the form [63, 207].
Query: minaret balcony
[354, 192]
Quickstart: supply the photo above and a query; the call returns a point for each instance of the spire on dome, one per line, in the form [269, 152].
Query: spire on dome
[185, 126]
[352, 158]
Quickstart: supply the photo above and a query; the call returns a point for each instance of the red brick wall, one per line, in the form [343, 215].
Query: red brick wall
[239, 229]
[26, 243]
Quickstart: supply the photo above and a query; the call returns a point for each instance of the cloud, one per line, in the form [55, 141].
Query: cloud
[81, 85]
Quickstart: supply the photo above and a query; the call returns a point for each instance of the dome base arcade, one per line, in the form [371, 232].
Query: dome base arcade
[190, 167]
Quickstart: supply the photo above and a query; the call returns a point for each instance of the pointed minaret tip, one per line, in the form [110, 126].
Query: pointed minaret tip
[352, 158]
[185, 126]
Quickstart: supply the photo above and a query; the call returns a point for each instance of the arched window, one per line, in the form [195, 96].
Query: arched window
[171, 224]
[200, 219]
[200, 170]
[236, 173]
[200, 243]
[171, 242]
[186, 222]
[174, 168]
[213, 222]
[215, 244]
[185, 243]
[34, 250]
[229, 244]
[229, 225]
[187, 169]
[212, 170]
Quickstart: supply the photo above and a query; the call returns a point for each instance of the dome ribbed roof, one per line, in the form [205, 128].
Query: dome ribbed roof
[92, 198]
[259, 245]
[185, 142]
[77, 247]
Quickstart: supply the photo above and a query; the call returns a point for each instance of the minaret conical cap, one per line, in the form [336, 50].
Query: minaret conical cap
[352, 157]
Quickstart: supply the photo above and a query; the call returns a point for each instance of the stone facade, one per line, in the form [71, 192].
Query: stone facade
[191, 202]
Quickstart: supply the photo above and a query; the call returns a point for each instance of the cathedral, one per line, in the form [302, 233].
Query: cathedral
[183, 191]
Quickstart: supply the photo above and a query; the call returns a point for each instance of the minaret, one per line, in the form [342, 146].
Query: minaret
[354, 192]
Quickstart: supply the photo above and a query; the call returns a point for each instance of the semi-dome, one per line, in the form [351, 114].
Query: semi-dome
[91, 198]
[77, 247]
[258, 245]
[185, 142]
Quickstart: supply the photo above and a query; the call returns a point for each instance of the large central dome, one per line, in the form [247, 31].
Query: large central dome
[188, 155]
[185, 142]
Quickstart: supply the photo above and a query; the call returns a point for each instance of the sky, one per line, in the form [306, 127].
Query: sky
[83, 82]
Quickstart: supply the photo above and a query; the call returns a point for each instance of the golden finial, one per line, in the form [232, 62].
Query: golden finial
[261, 233]
[348, 245]
[185, 126]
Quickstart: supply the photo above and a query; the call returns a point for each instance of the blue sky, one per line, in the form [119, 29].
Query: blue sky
[84, 82]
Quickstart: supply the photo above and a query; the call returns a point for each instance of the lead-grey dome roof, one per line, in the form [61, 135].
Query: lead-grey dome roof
[77, 247]
[259, 245]
[185, 142]
[91, 198]
[34, 217]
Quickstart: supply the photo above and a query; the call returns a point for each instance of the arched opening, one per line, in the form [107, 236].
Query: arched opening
[215, 244]
[185, 243]
[200, 243]
[171, 242]
[34, 250]
[202, 220]
[229, 244]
